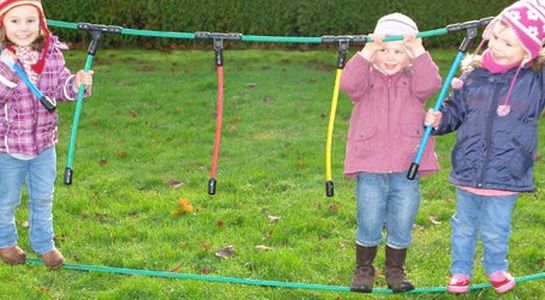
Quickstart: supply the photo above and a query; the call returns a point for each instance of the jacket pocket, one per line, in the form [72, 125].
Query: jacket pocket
[362, 143]
[520, 161]
[411, 136]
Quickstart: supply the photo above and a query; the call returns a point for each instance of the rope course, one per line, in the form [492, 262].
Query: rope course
[344, 42]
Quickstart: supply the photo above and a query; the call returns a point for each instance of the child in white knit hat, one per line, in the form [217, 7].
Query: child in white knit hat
[389, 83]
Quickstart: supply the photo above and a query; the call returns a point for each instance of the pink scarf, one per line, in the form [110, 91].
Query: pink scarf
[492, 66]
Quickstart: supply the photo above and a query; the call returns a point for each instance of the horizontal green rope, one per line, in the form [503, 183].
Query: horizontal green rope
[257, 282]
[245, 38]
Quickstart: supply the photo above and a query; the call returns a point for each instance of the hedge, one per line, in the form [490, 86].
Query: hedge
[262, 17]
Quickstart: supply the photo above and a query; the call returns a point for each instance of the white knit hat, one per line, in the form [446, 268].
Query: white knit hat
[395, 24]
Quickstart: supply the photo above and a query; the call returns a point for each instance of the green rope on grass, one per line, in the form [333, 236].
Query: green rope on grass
[257, 282]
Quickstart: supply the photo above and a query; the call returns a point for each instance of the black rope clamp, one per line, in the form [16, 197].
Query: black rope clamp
[469, 24]
[472, 31]
[96, 31]
[218, 38]
[344, 44]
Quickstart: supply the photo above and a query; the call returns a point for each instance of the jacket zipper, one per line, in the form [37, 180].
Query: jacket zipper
[488, 135]
[388, 118]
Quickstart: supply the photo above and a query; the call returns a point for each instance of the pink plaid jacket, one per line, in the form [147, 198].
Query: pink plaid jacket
[26, 127]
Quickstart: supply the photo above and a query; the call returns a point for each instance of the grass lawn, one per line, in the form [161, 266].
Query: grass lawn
[145, 141]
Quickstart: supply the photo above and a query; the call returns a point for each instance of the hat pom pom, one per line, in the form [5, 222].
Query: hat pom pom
[456, 83]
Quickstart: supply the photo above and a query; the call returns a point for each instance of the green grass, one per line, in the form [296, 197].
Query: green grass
[151, 120]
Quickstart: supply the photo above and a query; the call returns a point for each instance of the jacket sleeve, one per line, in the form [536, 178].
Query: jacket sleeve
[454, 112]
[8, 80]
[66, 86]
[425, 79]
[542, 100]
[355, 77]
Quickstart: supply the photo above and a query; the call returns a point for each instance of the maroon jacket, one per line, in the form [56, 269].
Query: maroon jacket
[386, 125]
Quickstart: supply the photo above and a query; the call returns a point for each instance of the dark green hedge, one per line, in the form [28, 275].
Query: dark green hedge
[262, 17]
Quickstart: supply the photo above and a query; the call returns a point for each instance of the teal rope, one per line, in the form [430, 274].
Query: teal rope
[165, 34]
[257, 282]
[245, 38]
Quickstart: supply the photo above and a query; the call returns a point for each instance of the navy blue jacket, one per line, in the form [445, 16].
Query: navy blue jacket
[494, 152]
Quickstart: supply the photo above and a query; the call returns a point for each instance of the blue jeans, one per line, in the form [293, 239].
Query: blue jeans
[389, 200]
[39, 174]
[489, 217]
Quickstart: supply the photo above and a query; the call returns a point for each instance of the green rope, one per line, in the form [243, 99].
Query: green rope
[245, 38]
[257, 282]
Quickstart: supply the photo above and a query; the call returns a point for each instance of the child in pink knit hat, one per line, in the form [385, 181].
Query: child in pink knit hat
[28, 131]
[389, 83]
[495, 114]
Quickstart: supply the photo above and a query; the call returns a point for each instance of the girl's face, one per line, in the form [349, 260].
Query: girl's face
[392, 58]
[505, 46]
[22, 25]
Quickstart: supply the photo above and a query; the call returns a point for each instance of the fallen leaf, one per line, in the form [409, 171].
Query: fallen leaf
[174, 184]
[268, 99]
[220, 224]
[267, 235]
[433, 220]
[185, 205]
[176, 269]
[262, 248]
[333, 207]
[418, 227]
[102, 162]
[205, 270]
[226, 252]
[121, 154]
[273, 219]
[134, 114]
[205, 246]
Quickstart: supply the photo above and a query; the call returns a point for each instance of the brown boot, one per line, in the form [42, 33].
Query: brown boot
[395, 274]
[13, 255]
[364, 276]
[53, 259]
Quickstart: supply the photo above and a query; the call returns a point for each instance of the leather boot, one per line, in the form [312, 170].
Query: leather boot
[53, 259]
[364, 275]
[395, 274]
[13, 255]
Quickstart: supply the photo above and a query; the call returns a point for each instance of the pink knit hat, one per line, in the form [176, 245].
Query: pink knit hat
[6, 5]
[395, 24]
[527, 19]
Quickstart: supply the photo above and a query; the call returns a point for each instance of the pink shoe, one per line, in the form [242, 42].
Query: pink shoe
[459, 283]
[502, 281]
